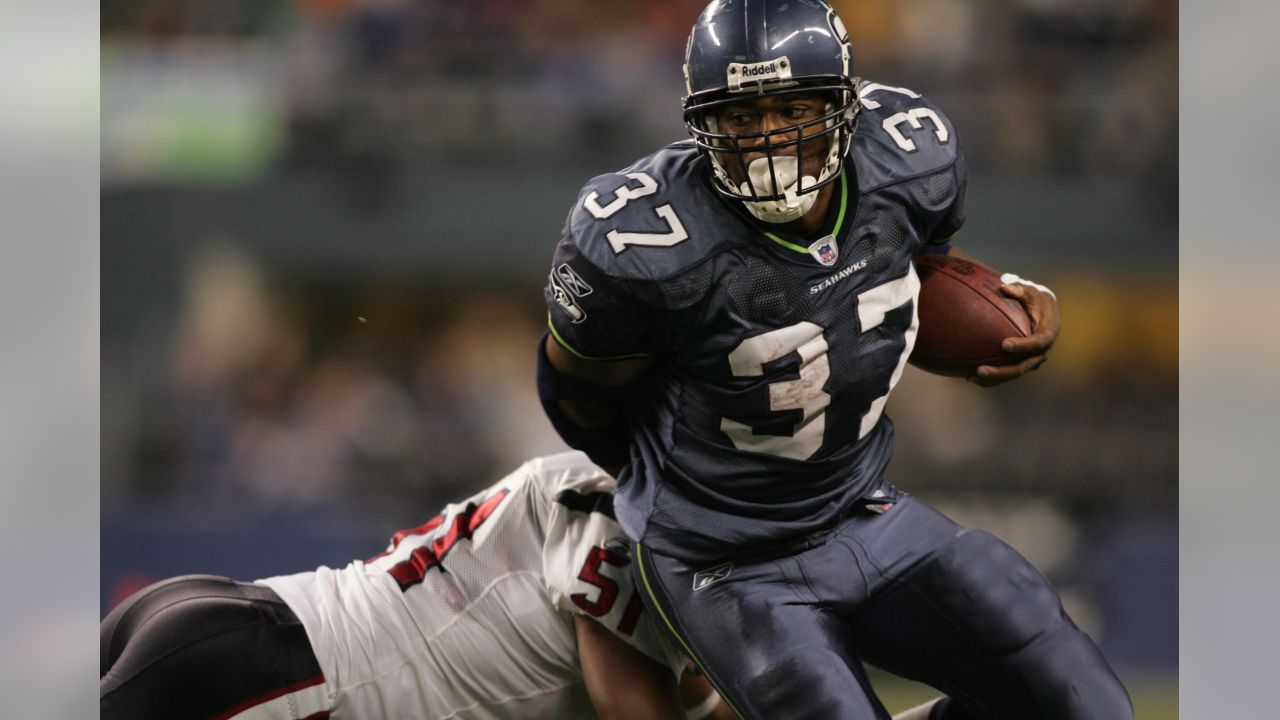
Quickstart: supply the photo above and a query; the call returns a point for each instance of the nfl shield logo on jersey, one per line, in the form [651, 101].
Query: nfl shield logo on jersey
[825, 250]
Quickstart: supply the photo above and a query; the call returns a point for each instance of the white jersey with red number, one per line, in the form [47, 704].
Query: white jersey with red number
[470, 615]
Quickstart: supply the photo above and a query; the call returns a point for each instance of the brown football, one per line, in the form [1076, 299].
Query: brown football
[963, 317]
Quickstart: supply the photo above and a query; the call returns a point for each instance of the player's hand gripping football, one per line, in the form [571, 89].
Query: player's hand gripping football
[1042, 308]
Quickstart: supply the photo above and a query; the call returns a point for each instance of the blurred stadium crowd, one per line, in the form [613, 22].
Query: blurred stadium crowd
[325, 225]
[1054, 85]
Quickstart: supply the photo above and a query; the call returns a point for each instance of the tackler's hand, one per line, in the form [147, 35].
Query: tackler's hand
[1030, 351]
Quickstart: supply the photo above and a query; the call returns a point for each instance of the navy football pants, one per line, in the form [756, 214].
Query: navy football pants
[202, 647]
[783, 636]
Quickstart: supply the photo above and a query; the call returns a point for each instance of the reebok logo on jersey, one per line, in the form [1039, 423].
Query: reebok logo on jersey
[572, 282]
[565, 301]
[706, 577]
[832, 280]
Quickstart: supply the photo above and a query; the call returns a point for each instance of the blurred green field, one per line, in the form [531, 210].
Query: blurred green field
[1155, 697]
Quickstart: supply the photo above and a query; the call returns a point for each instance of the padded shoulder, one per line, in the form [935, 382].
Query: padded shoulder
[652, 220]
[900, 135]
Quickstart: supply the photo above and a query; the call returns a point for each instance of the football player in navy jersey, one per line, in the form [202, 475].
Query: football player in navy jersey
[727, 318]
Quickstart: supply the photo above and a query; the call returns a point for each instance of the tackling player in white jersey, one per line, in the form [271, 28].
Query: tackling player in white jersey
[516, 603]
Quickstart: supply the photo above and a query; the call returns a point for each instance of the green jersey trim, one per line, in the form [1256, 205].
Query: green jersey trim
[564, 344]
[788, 245]
[804, 250]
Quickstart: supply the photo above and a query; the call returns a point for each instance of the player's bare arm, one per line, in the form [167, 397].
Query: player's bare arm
[622, 682]
[1046, 322]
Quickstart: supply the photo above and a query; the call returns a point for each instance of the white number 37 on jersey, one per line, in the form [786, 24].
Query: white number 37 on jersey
[620, 240]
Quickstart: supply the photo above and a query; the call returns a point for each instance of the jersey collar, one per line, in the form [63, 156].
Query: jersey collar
[833, 225]
[834, 222]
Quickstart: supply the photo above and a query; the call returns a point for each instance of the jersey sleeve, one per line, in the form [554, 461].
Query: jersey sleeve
[951, 217]
[594, 313]
[908, 145]
[587, 568]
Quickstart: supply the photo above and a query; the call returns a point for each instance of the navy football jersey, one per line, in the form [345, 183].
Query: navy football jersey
[773, 356]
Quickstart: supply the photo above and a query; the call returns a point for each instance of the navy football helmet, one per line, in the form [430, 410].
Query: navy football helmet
[744, 49]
